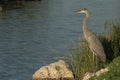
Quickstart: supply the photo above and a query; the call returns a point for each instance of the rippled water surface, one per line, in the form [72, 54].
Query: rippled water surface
[34, 35]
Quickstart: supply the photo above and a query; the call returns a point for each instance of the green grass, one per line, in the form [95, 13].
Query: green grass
[111, 40]
[113, 73]
[81, 59]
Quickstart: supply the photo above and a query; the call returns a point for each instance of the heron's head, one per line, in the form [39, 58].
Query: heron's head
[84, 10]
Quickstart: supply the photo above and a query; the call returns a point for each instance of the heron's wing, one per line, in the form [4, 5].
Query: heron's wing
[96, 46]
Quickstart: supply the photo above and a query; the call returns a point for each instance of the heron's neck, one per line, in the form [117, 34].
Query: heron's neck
[85, 22]
[84, 26]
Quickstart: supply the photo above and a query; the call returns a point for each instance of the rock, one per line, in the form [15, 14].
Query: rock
[101, 71]
[90, 74]
[1, 9]
[55, 70]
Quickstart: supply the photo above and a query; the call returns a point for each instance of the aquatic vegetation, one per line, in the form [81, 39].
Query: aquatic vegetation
[81, 59]
[111, 40]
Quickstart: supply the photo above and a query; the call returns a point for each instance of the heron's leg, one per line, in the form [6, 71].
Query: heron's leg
[93, 57]
[93, 54]
[96, 62]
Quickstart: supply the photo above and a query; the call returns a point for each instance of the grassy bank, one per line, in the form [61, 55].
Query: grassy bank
[113, 73]
[81, 59]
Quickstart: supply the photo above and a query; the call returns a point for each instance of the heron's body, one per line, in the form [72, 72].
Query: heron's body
[94, 43]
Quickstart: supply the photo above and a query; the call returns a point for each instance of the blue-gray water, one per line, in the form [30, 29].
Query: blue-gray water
[32, 36]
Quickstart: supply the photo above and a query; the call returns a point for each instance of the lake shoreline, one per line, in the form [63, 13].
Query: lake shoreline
[7, 4]
[40, 32]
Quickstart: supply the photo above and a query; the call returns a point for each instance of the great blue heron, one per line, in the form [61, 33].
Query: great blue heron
[94, 43]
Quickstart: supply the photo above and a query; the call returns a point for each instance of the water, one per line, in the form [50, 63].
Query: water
[32, 36]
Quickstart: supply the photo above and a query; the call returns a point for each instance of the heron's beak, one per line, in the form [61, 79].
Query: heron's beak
[77, 11]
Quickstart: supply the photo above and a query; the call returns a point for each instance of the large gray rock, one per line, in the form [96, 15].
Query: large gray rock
[55, 70]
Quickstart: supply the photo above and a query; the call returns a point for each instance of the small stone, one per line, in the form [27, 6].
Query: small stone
[98, 73]
[101, 71]
[88, 75]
